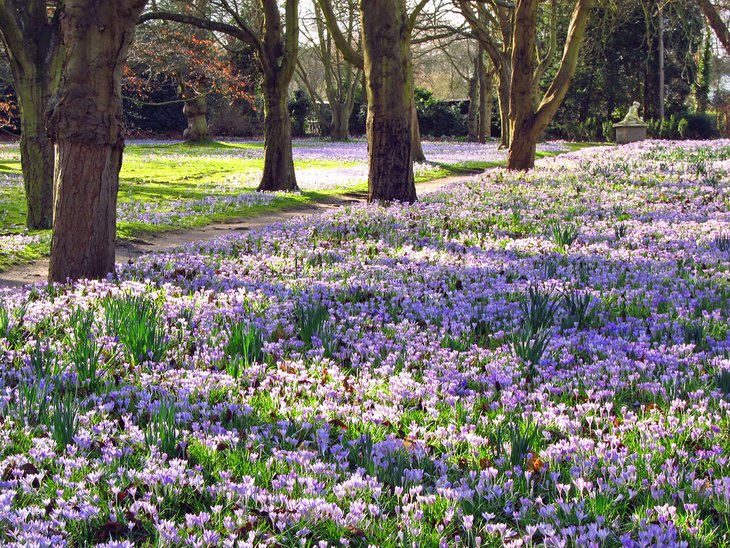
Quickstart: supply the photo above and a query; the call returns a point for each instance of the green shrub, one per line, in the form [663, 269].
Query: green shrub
[299, 108]
[701, 126]
[438, 118]
[683, 128]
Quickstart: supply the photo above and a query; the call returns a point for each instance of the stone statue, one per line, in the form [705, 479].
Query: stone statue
[632, 128]
[632, 117]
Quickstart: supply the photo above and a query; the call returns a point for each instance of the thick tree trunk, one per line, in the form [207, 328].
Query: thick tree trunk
[527, 123]
[85, 124]
[36, 151]
[340, 122]
[87, 179]
[386, 47]
[195, 111]
[522, 149]
[278, 159]
[522, 101]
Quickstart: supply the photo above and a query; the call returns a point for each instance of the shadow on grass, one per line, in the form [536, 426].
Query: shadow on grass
[468, 168]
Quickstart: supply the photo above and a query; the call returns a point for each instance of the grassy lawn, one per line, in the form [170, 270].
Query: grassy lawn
[170, 186]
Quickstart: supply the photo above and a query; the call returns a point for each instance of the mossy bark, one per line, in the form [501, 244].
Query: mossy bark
[85, 124]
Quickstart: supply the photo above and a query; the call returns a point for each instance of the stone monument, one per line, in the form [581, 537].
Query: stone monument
[632, 128]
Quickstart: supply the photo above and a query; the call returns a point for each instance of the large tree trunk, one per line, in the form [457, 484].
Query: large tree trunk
[36, 152]
[278, 159]
[386, 47]
[195, 111]
[522, 149]
[340, 122]
[527, 123]
[32, 42]
[85, 124]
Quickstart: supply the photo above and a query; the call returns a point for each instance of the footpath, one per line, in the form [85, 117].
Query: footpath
[36, 271]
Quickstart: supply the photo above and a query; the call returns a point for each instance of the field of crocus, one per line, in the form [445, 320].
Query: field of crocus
[171, 185]
[520, 359]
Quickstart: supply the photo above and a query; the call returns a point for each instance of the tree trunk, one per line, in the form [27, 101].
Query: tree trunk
[716, 23]
[195, 111]
[85, 124]
[417, 154]
[488, 105]
[340, 122]
[36, 151]
[522, 149]
[527, 123]
[278, 159]
[386, 47]
[485, 105]
[32, 42]
[472, 118]
[503, 87]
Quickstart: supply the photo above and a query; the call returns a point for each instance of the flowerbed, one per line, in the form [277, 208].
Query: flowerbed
[520, 359]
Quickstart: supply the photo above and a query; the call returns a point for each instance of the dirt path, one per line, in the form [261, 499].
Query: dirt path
[129, 249]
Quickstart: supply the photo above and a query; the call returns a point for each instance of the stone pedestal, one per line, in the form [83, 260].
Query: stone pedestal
[629, 133]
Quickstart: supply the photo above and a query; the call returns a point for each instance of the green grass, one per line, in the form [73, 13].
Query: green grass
[158, 174]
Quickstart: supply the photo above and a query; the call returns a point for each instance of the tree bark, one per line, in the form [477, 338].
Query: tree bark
[36, 151]
[503, 90]
[278, 158]
[486, 82]
[85, 124]
[32, 42]
[340, 122]
[195, 111]
[716, 23]
[472, 117]
[385, 29]
[527, 123]
[417, 154]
